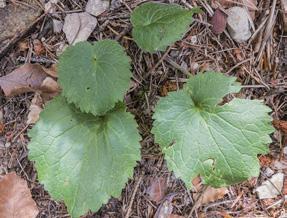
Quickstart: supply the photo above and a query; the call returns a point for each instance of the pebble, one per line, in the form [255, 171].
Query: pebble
[238, 24]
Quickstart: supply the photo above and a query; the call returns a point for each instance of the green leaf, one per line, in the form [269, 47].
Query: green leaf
[94, 76]
[157, 25]
[83, 159]
[218, 142]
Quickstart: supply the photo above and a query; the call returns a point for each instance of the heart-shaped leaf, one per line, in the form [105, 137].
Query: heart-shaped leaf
[94, 76]
[158, 25]
[218, 142]
[83, 159]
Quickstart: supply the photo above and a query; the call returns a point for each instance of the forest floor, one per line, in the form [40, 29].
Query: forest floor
[259, 64]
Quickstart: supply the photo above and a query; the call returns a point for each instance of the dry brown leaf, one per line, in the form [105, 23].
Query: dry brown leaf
[213, 194]
[15, 198]
[27, 78]
[35, 109]
[50, 85]
[280, 125]
[168, 87]
[265, 160]
[157, 189]
[79, 26]
[51, 71]
[218, 21]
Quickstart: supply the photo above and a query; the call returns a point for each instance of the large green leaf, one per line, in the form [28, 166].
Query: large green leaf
[218, 142]
[94, 76]
[83, 159]
[157, 25]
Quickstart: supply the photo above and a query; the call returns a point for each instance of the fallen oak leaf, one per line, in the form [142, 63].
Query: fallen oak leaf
[15, 198]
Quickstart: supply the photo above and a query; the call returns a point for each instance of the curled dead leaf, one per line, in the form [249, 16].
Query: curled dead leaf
[15, 198]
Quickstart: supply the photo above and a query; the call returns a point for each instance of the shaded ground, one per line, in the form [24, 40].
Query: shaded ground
[264, 78]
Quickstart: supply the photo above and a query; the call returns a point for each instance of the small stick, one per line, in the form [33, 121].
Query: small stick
[133, 197]
[237, 65]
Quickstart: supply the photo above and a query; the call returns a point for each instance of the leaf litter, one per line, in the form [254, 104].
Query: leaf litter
[79, 26]
[15, 198]
[27, 78]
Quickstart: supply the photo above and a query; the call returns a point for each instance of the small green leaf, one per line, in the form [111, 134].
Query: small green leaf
[157, 25]
[218, 142]
[94, 76]
[83, 159]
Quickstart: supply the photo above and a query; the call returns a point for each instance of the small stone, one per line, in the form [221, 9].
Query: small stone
[271, 188]
[193, 40]
[2, 3]
[7, 144]
[97, 7]
[268, 172]
[238, 24]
